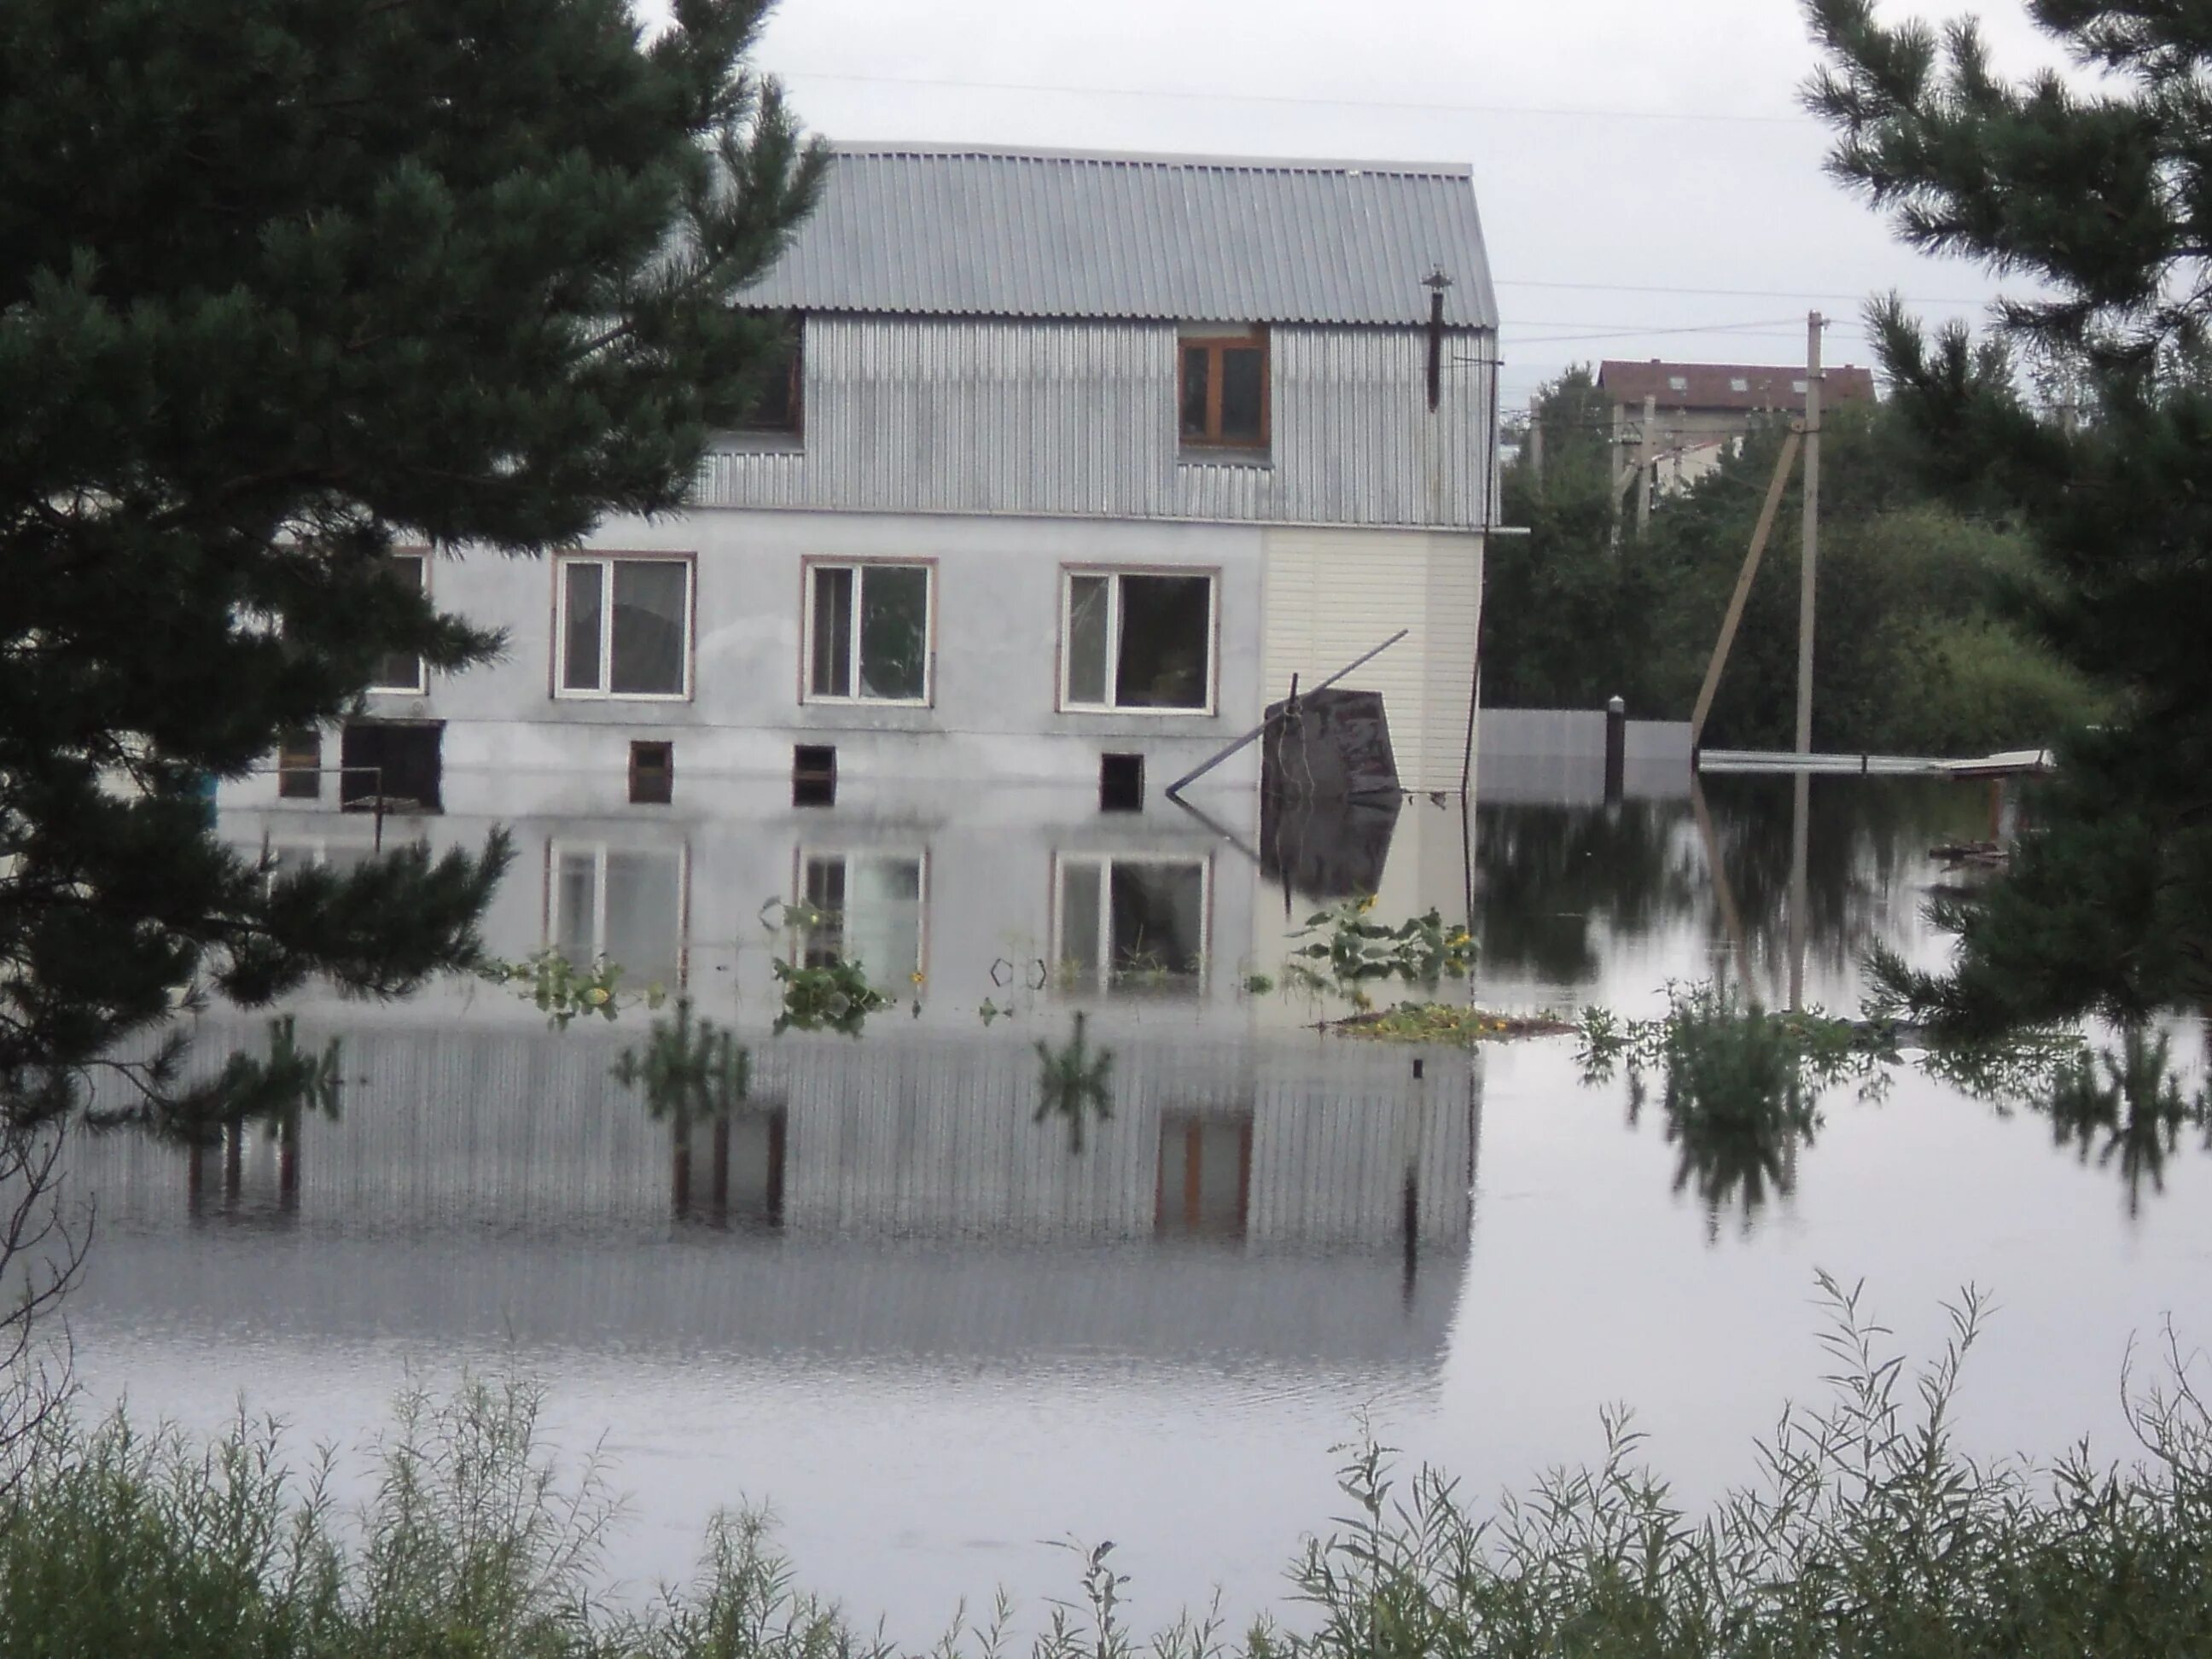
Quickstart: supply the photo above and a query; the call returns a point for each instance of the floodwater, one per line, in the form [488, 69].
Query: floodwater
[891, 1300]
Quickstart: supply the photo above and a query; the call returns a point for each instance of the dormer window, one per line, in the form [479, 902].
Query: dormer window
[777, 407]
[1223, 387]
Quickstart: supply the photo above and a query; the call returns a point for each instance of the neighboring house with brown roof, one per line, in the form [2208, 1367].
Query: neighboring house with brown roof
[1702, 409]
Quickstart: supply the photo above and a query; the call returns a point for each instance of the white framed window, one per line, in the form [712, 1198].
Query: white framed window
[1122, 923]
[626, 905]
[622, 628]
[869, 629]
[874, 909]
[1139, 640]
[400, 673]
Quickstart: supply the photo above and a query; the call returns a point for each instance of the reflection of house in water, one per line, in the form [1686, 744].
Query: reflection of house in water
[1306, 1201]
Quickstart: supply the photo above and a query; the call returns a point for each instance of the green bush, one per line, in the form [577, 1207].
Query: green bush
[1869, 1533]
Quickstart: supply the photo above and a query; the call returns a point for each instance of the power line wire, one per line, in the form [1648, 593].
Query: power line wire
[1727, 292]
[1209, 95]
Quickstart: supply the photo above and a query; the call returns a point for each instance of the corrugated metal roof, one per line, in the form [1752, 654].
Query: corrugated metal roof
[964, 231]
[1728, 385]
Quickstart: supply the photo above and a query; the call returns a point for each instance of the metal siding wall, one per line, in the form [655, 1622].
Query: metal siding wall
[1078, 419]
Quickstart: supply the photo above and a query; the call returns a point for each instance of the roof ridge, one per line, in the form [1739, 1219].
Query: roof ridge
[922, 148]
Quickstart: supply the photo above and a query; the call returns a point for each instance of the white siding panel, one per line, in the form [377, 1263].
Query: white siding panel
[1333, 595]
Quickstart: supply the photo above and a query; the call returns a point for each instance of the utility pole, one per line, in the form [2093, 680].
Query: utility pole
[1801, 815]
[1536, 445]
[1647, 465]
[1809, 573]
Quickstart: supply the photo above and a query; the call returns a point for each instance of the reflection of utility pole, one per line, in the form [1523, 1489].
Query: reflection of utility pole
[1799, 884]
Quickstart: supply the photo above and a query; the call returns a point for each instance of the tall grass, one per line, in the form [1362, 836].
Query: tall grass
[1868, 1533]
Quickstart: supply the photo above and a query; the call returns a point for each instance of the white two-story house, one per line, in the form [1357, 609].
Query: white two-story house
[1079, 456]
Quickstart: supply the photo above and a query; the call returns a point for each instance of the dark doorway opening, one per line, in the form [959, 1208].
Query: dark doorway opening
[395, 762]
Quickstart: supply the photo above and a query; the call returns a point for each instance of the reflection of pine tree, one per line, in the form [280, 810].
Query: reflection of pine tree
[1074, 1081]
[2132, 1098]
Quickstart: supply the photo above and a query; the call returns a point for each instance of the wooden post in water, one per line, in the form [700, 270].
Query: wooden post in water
[1616, 748]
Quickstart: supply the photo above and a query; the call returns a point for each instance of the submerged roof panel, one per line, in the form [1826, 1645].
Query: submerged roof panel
[965, 231]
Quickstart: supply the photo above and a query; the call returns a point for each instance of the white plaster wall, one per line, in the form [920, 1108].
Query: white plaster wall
[991, 721]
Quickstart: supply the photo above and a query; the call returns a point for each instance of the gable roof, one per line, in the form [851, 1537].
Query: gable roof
[1728, 385]
[969, 231]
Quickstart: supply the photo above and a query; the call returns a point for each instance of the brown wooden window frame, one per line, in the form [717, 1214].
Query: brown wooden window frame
[1214, 345]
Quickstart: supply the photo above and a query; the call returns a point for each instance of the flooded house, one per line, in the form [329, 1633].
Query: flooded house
[1079, 461]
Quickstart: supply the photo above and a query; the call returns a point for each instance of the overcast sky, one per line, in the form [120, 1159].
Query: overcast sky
[1623, 149]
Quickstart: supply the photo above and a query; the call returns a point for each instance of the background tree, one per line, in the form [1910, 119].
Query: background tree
[1922, 649]
[2100, 195]
[284, 283]
[1564, 615]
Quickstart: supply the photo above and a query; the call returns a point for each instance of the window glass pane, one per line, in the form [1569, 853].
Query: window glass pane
[1196, 360]
[1159, 916]
[575, 906]
[580, 638]
[648, 631]
[1087, 600]
[399, 670]
[894, 631]
[883, 919]
[1079, 887]
[776, 407]
[644, 916]
[1243, 375]
[832, 674]
[1167, 629]
[825, 893]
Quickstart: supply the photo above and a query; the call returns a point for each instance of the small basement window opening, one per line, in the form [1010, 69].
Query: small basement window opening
[652, 773]
[1223, 390]
[299, 766]
[813, 775]
[1120, 783]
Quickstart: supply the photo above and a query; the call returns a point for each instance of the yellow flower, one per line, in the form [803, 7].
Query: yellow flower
[917, 977]
[596, 995]
[1367, 904]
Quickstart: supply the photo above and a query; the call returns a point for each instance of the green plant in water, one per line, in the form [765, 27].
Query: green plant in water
[688, 1069]
[823, 991]
[1343, 948]
[563, 989]
[1740, 1086]
[1075, 1082]
[2130, 1100]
